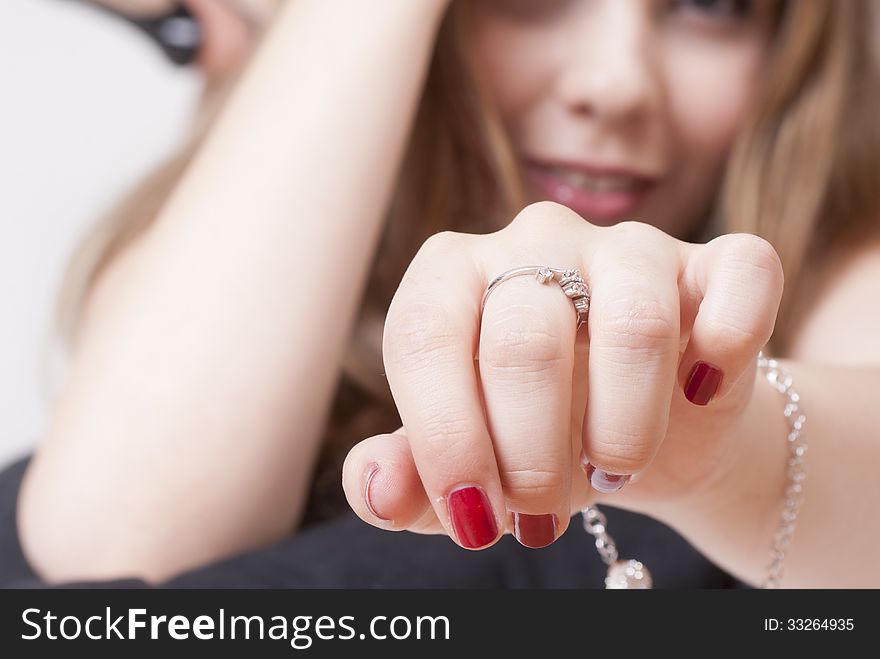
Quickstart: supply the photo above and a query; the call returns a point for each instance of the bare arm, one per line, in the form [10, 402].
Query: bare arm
[190, 422]
[835, 365]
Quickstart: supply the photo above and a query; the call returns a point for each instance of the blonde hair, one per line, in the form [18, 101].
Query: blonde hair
[801, 174]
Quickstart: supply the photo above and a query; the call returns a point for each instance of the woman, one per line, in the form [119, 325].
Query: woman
[213, 333]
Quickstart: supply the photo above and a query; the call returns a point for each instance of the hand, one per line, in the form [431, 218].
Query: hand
[497, 445]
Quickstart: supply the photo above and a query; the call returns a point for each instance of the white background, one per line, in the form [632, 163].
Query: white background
[87, 105]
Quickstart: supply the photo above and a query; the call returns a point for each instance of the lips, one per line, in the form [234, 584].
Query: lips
[601, 195]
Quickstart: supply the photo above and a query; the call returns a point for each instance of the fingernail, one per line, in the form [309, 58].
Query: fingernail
[604, 482]
[702, 383]
[371, 474]
[534, 531]
[472, 518]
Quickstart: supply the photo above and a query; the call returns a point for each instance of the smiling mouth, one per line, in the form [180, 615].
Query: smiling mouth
[594, 182]
[601, 195]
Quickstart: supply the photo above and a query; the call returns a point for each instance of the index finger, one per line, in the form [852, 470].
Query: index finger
[431, 334]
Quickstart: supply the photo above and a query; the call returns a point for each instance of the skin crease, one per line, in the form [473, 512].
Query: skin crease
[631, 83]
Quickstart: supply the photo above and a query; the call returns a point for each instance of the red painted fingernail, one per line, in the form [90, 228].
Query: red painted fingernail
[534, 531]
[702, 383]
[605, 482]
[472, 518]
[372, 470]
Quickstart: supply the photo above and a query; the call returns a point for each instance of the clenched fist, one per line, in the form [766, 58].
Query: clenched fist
[511, 414]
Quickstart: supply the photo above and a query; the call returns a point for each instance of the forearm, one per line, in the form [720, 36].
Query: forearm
[189, 425]
[838, 526]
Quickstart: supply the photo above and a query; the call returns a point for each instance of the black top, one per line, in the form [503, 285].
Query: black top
[347, 553]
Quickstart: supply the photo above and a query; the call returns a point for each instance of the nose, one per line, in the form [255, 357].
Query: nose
[607, 67]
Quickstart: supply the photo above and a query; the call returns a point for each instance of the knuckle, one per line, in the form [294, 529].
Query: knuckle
[623, 450]
[526, 343]
[733, 332]
[536, 216]
[442, 244]
[643, 325]
[441, 252]
[416, 334]
[622, 439]
[754, 254]
[444, 434]
[637, 232]
[535, 485]
[622, 462]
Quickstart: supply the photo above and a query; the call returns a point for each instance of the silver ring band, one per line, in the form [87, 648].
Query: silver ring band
[570, 281]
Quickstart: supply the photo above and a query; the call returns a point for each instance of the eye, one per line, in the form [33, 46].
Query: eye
[529, 10]
[716, 11]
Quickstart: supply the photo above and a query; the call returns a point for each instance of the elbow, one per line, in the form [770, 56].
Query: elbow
[71, 530]
[65, 540]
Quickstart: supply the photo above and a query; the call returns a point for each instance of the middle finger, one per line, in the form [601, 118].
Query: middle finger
[634, 342]
[526, 361]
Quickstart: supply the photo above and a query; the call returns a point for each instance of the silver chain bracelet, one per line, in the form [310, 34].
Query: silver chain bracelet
[780, 379]
[622, 574]
[632, 574]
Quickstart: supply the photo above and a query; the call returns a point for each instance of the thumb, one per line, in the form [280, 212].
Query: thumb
[383, 487]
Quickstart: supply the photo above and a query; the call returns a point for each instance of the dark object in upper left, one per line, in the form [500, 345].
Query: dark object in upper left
[177, 32]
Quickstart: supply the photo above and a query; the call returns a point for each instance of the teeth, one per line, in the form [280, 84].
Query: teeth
[590, 183]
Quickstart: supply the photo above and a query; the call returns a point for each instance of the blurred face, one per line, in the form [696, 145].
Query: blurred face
[623, 109]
